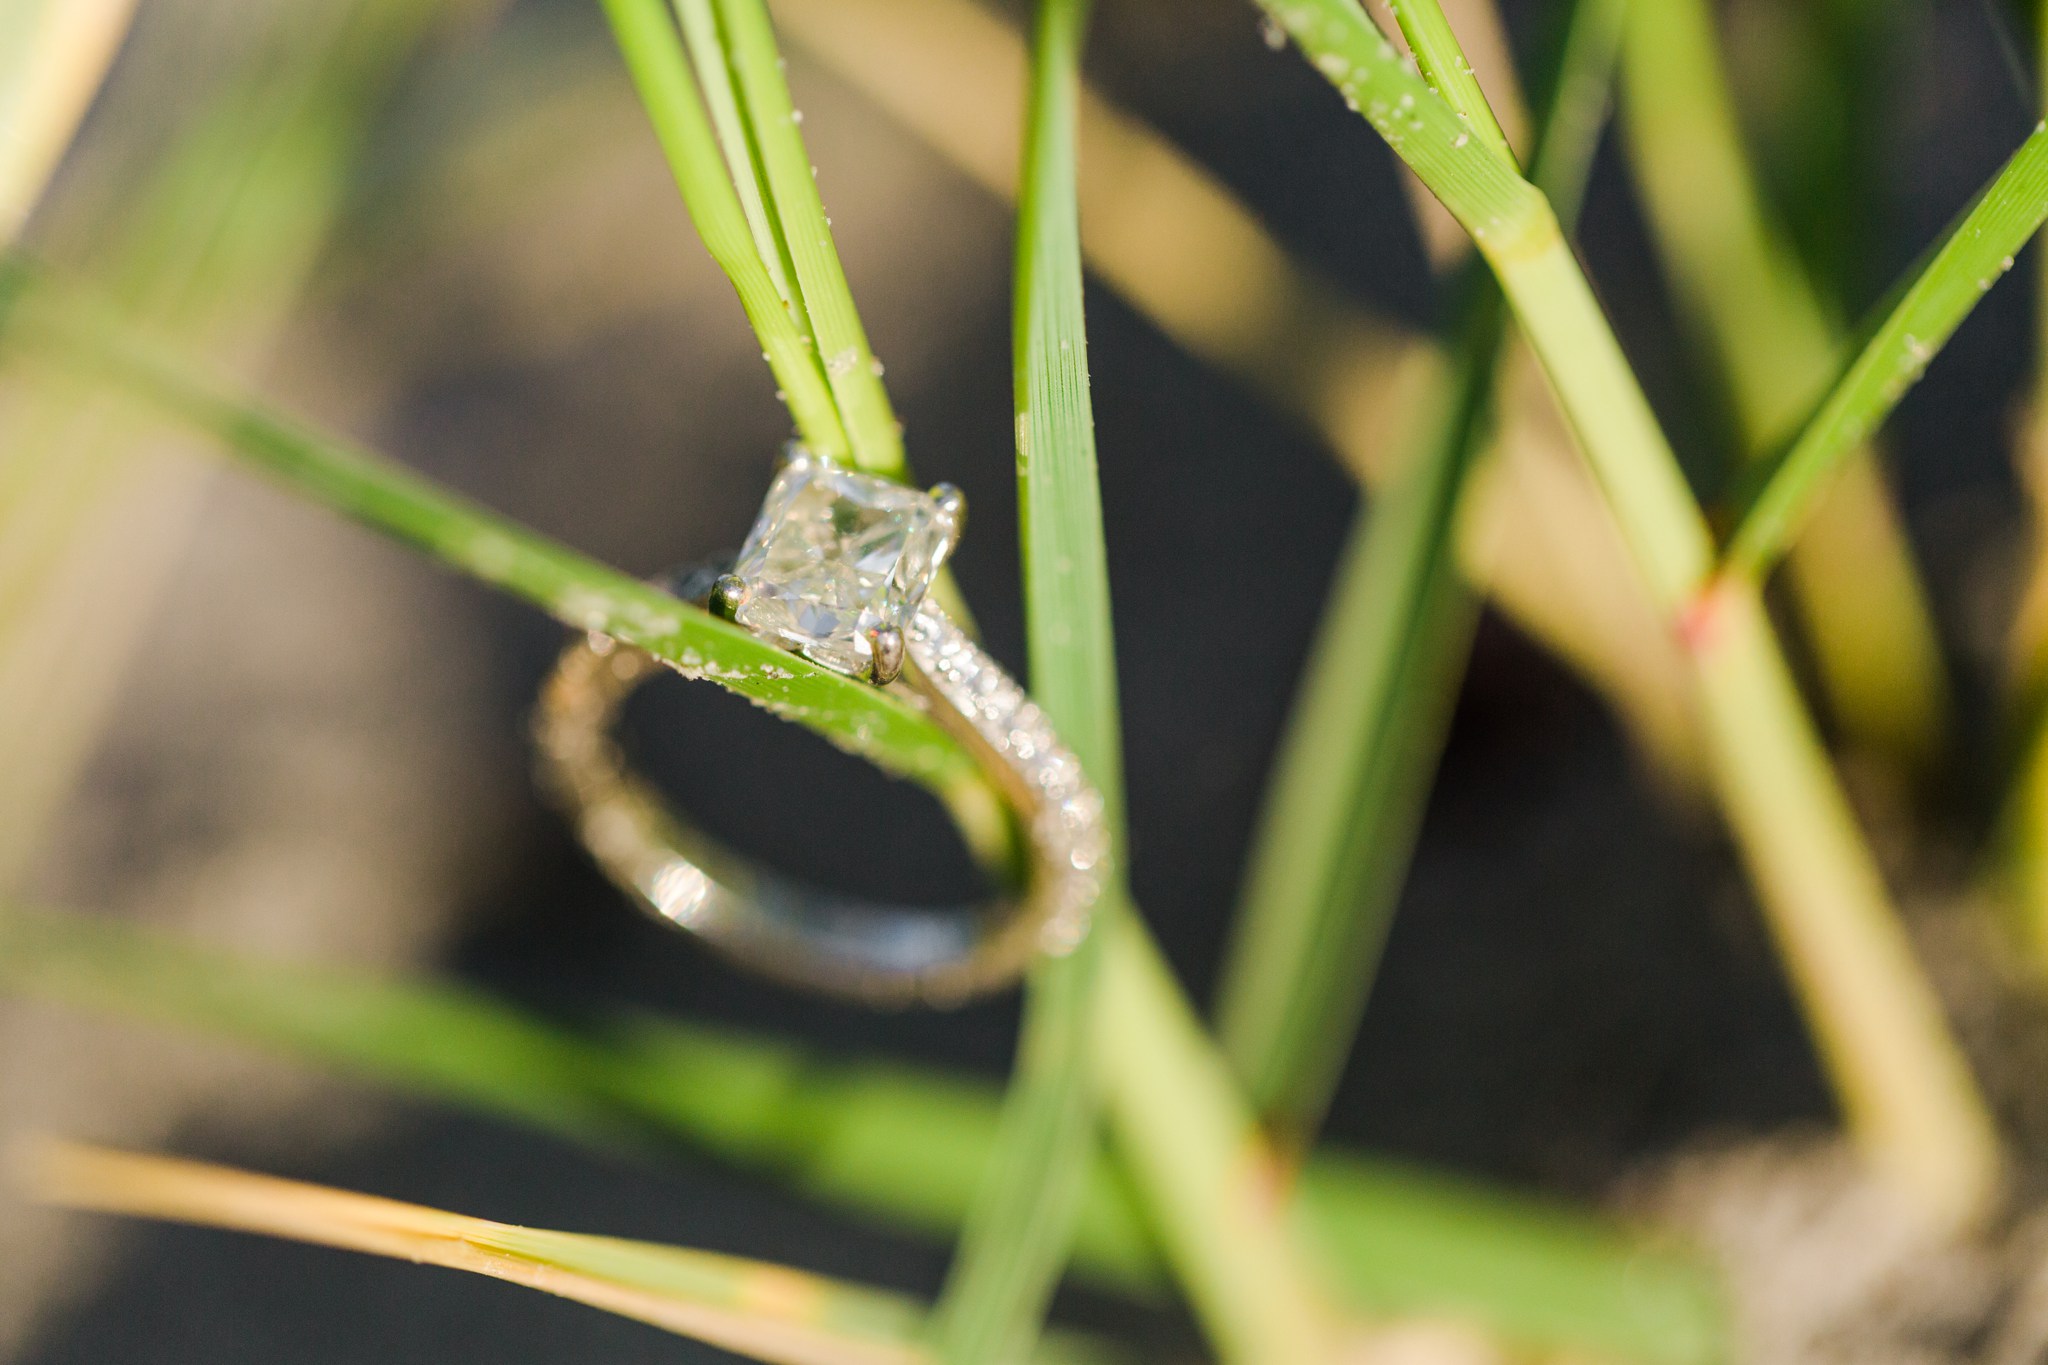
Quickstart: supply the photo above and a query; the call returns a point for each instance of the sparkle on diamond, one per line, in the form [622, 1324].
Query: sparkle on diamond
[834, 555]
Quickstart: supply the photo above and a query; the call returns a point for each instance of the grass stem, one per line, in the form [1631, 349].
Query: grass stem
[1776, 344]
[1018, 1231]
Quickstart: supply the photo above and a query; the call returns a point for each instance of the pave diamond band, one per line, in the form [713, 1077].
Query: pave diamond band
[881, 953]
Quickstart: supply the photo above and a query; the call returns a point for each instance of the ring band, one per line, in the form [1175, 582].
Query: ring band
[886, 954]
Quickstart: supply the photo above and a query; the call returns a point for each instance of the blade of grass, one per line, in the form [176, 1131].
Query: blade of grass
[1208, 1178]
[909, 1146]
[1861, 599]
[53, 56]
[742, 157]
[769, 1312]
[789, 245]
[1338, 825]
[1442, 63]
[1929, 305]
[45, 322]
[1016, 1237]
[1172, 241]
[653, 51]
[1908, 1096]
[850, 366]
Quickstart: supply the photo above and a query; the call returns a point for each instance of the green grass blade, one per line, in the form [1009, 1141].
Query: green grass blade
[578, 591]
[768, 1312]
[742, 157]
[1444, 66]
[1929, 307]
[906, 1145]
[1339, 821]
[1776, 343]
[654, 55]
[850, 366]
[1016, 1237]
[1340, 817]
[1203, 1168]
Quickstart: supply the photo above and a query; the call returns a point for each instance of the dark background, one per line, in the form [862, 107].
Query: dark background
[1577, 982]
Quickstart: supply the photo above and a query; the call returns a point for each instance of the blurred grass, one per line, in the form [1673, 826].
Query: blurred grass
[210, 239]
[752, 1308]
[1337, 827]
[906, 1145]
[53, 56]
[1909, 1098]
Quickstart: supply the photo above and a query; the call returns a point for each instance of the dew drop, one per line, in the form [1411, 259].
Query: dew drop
[1272, 35]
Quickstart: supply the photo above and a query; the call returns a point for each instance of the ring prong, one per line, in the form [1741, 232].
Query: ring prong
[952, 502]
[887, 644]
[952, 505]
[726, 596]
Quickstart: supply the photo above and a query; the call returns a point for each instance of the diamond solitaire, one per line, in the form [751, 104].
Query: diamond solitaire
[838, 562]
[837, 568]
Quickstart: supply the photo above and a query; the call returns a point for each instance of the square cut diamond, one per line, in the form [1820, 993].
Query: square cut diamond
[836, 554]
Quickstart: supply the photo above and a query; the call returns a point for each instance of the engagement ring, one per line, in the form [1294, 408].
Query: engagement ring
[837, 568]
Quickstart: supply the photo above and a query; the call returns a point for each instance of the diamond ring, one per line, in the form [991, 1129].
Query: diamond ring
[837, 568]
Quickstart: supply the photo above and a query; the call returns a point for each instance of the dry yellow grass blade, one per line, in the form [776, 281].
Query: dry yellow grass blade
[53, 56]
[1180, 248]
[765, 1311]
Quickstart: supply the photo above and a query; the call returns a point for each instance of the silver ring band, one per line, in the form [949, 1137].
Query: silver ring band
[886, 954]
